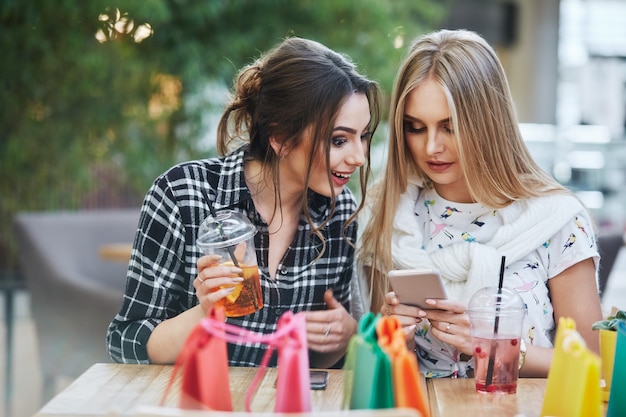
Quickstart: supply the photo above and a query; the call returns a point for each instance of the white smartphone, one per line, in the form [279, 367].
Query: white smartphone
[414, 286]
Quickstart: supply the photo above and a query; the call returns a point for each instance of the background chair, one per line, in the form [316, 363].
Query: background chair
[609, 246]
[74, 294]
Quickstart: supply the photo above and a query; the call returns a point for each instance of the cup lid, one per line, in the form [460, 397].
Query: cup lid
[227, 228]
[489, 300]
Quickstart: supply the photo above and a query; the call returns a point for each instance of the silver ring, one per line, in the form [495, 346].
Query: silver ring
[328, 330]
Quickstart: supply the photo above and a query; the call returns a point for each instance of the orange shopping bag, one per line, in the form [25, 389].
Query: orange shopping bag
[408, 384]
[574, 375]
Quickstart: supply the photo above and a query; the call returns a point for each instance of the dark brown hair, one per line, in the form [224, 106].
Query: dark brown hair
[298, 85]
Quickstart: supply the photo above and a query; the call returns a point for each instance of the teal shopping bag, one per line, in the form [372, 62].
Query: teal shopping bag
[368, 381]
[617, 398]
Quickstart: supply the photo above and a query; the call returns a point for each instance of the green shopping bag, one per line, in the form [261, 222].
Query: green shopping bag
[368, 381]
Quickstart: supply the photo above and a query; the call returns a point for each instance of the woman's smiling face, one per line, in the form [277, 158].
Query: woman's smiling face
[348, 150]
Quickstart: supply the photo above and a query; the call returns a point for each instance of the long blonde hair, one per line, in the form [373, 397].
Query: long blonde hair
[496, 163]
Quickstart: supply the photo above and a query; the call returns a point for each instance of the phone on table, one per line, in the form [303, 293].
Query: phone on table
[319, 379]
[414, 286]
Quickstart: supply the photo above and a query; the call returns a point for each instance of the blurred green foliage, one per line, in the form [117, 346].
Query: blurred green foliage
[104, 94]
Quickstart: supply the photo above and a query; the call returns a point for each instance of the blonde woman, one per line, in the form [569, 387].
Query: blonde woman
[461, 190]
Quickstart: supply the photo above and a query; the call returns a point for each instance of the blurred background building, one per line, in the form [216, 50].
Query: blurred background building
[566, 63]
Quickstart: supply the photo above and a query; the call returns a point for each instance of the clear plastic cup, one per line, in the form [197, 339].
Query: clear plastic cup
[496, 317]
[231, 235]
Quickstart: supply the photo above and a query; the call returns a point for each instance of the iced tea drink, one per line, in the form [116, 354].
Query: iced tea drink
[247, 297]
[505, 366]
[230, 235]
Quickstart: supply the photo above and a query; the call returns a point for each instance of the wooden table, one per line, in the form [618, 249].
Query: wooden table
[119, 252]
[116, 389]
[137, 390]
[458, 397]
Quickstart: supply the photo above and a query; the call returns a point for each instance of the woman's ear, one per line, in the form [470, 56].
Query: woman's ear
[277, 145]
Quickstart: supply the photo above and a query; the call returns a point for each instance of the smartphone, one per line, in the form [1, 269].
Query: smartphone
[319, 379]
[414, 286]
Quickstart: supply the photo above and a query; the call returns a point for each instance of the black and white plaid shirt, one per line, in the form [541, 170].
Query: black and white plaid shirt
[163, 262]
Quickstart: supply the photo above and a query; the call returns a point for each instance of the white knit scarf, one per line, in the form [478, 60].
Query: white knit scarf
[467, 267]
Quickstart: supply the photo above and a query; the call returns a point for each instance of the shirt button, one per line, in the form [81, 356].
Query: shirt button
[283, 270]
[278, 312]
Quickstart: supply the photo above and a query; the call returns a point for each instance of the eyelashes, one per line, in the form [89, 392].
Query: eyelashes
[411, 128]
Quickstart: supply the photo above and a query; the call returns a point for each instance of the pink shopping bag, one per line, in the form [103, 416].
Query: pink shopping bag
[205, 369]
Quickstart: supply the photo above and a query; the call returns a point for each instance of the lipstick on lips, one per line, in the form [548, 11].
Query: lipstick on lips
[438, 166]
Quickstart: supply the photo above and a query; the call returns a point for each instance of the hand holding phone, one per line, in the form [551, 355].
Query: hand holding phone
[414, 286]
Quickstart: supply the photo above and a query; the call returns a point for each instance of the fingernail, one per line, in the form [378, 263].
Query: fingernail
[228, 290]
[431, 302]
[394, 300]
[237, 279]
[235, 270]
[422, 313]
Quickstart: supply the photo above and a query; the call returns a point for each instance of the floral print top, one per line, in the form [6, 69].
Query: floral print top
[447, 222]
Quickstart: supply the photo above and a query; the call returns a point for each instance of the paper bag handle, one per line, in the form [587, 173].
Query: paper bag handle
[235, 334]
